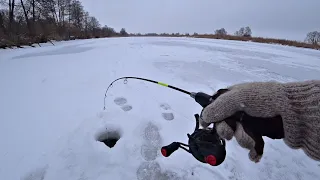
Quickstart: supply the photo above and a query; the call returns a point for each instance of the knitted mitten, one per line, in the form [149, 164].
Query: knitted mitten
[297, 103]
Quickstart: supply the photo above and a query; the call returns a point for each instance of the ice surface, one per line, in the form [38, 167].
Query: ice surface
[51, 108]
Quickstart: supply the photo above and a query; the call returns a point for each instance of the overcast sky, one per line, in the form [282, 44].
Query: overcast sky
[290, 19]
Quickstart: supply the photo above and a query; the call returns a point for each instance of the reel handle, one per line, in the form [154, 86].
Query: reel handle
[166, 151]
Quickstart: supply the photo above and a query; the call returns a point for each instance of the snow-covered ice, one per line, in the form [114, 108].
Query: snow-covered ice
[51, 108]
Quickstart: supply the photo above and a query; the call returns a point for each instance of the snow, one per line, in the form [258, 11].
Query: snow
[51, 108]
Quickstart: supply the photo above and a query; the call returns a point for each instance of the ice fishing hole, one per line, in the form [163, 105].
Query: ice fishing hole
[109, 137]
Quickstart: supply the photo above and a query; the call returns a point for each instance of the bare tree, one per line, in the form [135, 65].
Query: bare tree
[123, 32]
[35, 21]
[108, 31]
[11, 14]
[221, 31]
[247, 32]
[244, 31]
[26, 16]
[94, 25]
[240, 32]
[77, 13]
[313, 37]
[33, 11]
[2, 22]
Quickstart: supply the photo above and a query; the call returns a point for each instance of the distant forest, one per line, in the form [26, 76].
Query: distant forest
[29, 22]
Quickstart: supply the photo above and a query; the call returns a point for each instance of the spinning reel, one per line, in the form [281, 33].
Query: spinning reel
[204, 144]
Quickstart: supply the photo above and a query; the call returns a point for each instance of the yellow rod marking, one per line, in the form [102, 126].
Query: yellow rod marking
[163, 84]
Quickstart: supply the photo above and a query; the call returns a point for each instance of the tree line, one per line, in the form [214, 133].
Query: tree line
[244, 33]
[312, 39]
[25, 22]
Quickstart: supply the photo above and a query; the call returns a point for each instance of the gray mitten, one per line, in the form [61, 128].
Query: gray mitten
[294, 107]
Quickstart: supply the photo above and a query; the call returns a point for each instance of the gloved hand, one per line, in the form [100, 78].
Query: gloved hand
[248, 111]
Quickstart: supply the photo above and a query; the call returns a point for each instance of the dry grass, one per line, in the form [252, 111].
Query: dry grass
[262, 40]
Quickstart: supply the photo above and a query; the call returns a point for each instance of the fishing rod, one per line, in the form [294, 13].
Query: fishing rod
[204, 144]
[143, 79]
[202, 98]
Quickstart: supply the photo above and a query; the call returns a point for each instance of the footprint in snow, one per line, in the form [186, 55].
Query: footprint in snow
[36, 174]
[152, 142]
[149, 152]
[153, 171]
[148, 171]
[122, 102]
[166, 112]
[151, 134]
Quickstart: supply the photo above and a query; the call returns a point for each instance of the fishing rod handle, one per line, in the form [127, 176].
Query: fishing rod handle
[202, 98]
